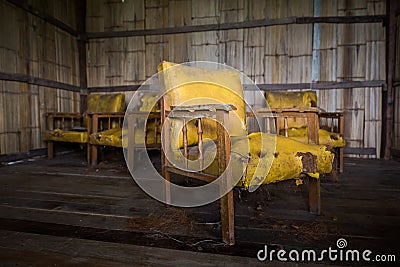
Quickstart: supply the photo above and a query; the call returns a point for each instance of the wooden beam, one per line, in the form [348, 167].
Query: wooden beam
[314, 195]
[116, 88]
[237, 25]
[82, 55]
[342, 19]
[263, 87]
[321, 85]
[17, 77]
[391, 8]
[360, 150]
[49, 19]
[20, 156]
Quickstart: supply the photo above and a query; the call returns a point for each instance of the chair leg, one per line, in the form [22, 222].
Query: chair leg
[50, 149]
[167, 177]
[341, 160]
[314, 195]
[88, 154]
[93, 155]
[227, 218]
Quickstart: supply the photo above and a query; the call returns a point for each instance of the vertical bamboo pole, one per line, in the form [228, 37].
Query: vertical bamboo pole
[95, 128]
[165, 147]
[226, 202]
[391, 58]
[81, 44]
[131, 142]
[314, 185]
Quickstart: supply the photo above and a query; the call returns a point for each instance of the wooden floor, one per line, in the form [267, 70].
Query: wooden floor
[59, 212]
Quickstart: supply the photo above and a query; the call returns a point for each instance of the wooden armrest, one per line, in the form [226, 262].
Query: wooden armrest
[106, 113]
[144, 114]
[283, 110]
[199, 111]
[99, 119]
[52, 117]
[331, 114]
[63, 115]
[101, 115]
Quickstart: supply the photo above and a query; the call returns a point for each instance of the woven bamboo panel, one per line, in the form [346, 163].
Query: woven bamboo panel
[327, 65]
[278, 54]
[180, 14]
[351, 62]
[94, 16]
[134, 60]
[373, 118]
[31, 46]
[359, 6]
[275, 69]
[156, 46]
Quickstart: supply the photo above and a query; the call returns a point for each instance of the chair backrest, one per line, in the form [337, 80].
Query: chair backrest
[304, 99]
[105, 102]
[289, 100]
[186, 85]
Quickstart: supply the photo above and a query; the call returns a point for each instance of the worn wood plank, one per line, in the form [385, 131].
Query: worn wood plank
[57, 23]
[236, 25]
[101, 253]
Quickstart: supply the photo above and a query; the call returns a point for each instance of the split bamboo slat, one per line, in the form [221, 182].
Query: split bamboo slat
[32, 47]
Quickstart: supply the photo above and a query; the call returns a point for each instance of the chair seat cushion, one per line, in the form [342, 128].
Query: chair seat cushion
[113, 137]
[66, 136]
[291, 99]
[325, 137]
[269, 159]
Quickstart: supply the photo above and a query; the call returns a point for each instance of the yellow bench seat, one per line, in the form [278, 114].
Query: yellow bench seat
[59, 135]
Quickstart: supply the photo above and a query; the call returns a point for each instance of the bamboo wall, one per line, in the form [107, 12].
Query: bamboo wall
[278, 54]
[30, 46]
[355, 52]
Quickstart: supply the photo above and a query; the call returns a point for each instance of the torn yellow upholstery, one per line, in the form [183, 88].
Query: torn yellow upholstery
[95, 103]
[268, 164]
[297, 126]
[105, 103]
[58, 135]
[113, 136]
[193, 86]
[285, 100]
[253, 154]
[288, 100]
[325, 137]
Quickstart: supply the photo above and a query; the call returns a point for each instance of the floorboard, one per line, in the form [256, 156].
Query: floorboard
[61, 212]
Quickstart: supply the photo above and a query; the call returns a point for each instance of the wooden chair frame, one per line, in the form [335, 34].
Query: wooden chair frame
[133, 117]
[311, 115]
[58, 119]
[221, 114]
[103, 121]
[328, 119]
[99, 122]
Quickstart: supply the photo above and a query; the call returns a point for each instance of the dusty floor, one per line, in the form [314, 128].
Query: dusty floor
[60, 212]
